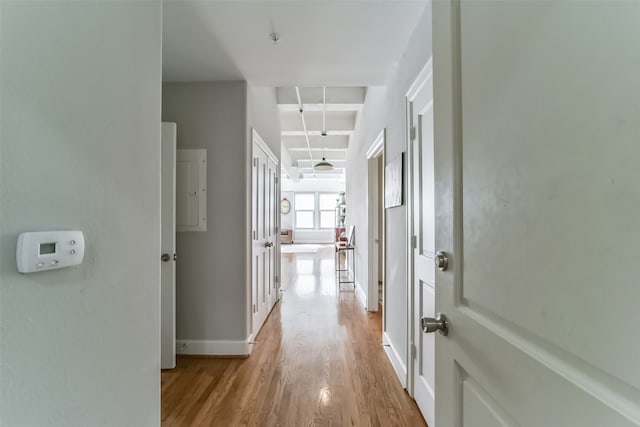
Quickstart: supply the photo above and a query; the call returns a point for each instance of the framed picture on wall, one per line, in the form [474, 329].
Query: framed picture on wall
[394, 182]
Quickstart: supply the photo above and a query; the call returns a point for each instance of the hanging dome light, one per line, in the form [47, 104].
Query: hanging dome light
[323, 165]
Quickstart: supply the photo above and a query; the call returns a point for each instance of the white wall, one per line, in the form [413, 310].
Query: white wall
[384, 107]
[286, 221]
[309, 185]
[370, 123]
[213, 269]
[80, 149]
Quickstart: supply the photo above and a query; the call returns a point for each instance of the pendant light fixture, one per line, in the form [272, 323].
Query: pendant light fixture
[324, 165]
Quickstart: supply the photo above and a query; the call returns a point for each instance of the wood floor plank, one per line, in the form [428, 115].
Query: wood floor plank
[318, 361]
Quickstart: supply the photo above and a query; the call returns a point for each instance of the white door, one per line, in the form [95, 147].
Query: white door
[260, 243]
[421, 383]
[264, 232]
[168, 240]
[538, 204]
[271, 213]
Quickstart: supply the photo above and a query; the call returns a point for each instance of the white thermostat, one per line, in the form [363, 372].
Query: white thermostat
[46, 250]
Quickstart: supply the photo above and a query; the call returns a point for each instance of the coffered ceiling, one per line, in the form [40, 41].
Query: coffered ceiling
[334, 107]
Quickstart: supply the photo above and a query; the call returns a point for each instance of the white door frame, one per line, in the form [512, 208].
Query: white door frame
[253, 329]
[168, 240]
[415, 88]
[376, 150]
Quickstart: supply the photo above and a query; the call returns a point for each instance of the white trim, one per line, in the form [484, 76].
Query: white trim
[377, 147]
[215, 347]
[264, 147]
[423, 77]
[409, 215]
[395, 359]
[362, 297]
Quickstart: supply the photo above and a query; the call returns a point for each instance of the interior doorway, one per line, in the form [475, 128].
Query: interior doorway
[376, 225]
[265, 216]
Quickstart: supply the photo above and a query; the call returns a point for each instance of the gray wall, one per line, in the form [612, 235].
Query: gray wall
[385, 108]
[211, 276]
[213, 269]
[264, 116]
[80, 149]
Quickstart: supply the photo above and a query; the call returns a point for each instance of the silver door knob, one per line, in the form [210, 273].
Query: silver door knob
[441, 260]
[440, 324]
[268, 244]
[165, 258]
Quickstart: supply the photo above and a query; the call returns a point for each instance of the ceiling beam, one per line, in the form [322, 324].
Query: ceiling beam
[314, 95]
[316, 132]
[318, 107]
[319, 149]
[287, 165]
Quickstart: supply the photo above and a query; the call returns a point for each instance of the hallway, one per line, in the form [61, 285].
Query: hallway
[317, 361]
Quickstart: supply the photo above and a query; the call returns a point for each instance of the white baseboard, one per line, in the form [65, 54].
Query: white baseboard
[215, 347]
[396, 361]
[361, 295]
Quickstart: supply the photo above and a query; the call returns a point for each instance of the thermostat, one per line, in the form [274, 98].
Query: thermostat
[46, 250]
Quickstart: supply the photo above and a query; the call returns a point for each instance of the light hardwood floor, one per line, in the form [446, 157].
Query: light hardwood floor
[318, 361]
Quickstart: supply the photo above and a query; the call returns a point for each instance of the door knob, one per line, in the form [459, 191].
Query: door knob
[165, 258]
[268, 244]
[441, 260]
[440, 324]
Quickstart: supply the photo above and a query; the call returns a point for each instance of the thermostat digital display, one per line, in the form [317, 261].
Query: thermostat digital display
[46, 250]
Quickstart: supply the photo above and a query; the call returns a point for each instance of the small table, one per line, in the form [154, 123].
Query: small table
[340, 249]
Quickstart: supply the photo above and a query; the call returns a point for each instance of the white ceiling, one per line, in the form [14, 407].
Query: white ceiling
[335, 43]
[345, 45]
[340, 107]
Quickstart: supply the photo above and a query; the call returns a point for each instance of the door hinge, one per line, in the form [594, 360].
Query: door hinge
[254, 308]
[276, 179]
[255, 235]
[255, 161]
[412, 133]
[414, 351]
[414, 242]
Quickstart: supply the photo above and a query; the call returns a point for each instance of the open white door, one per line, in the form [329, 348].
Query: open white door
[421, 384]
[264, 292]
[168, 242]
[538, 205]
[272, 213]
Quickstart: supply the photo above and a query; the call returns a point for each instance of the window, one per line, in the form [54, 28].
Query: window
[315, 210]
[327, 203]
[305, 204]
